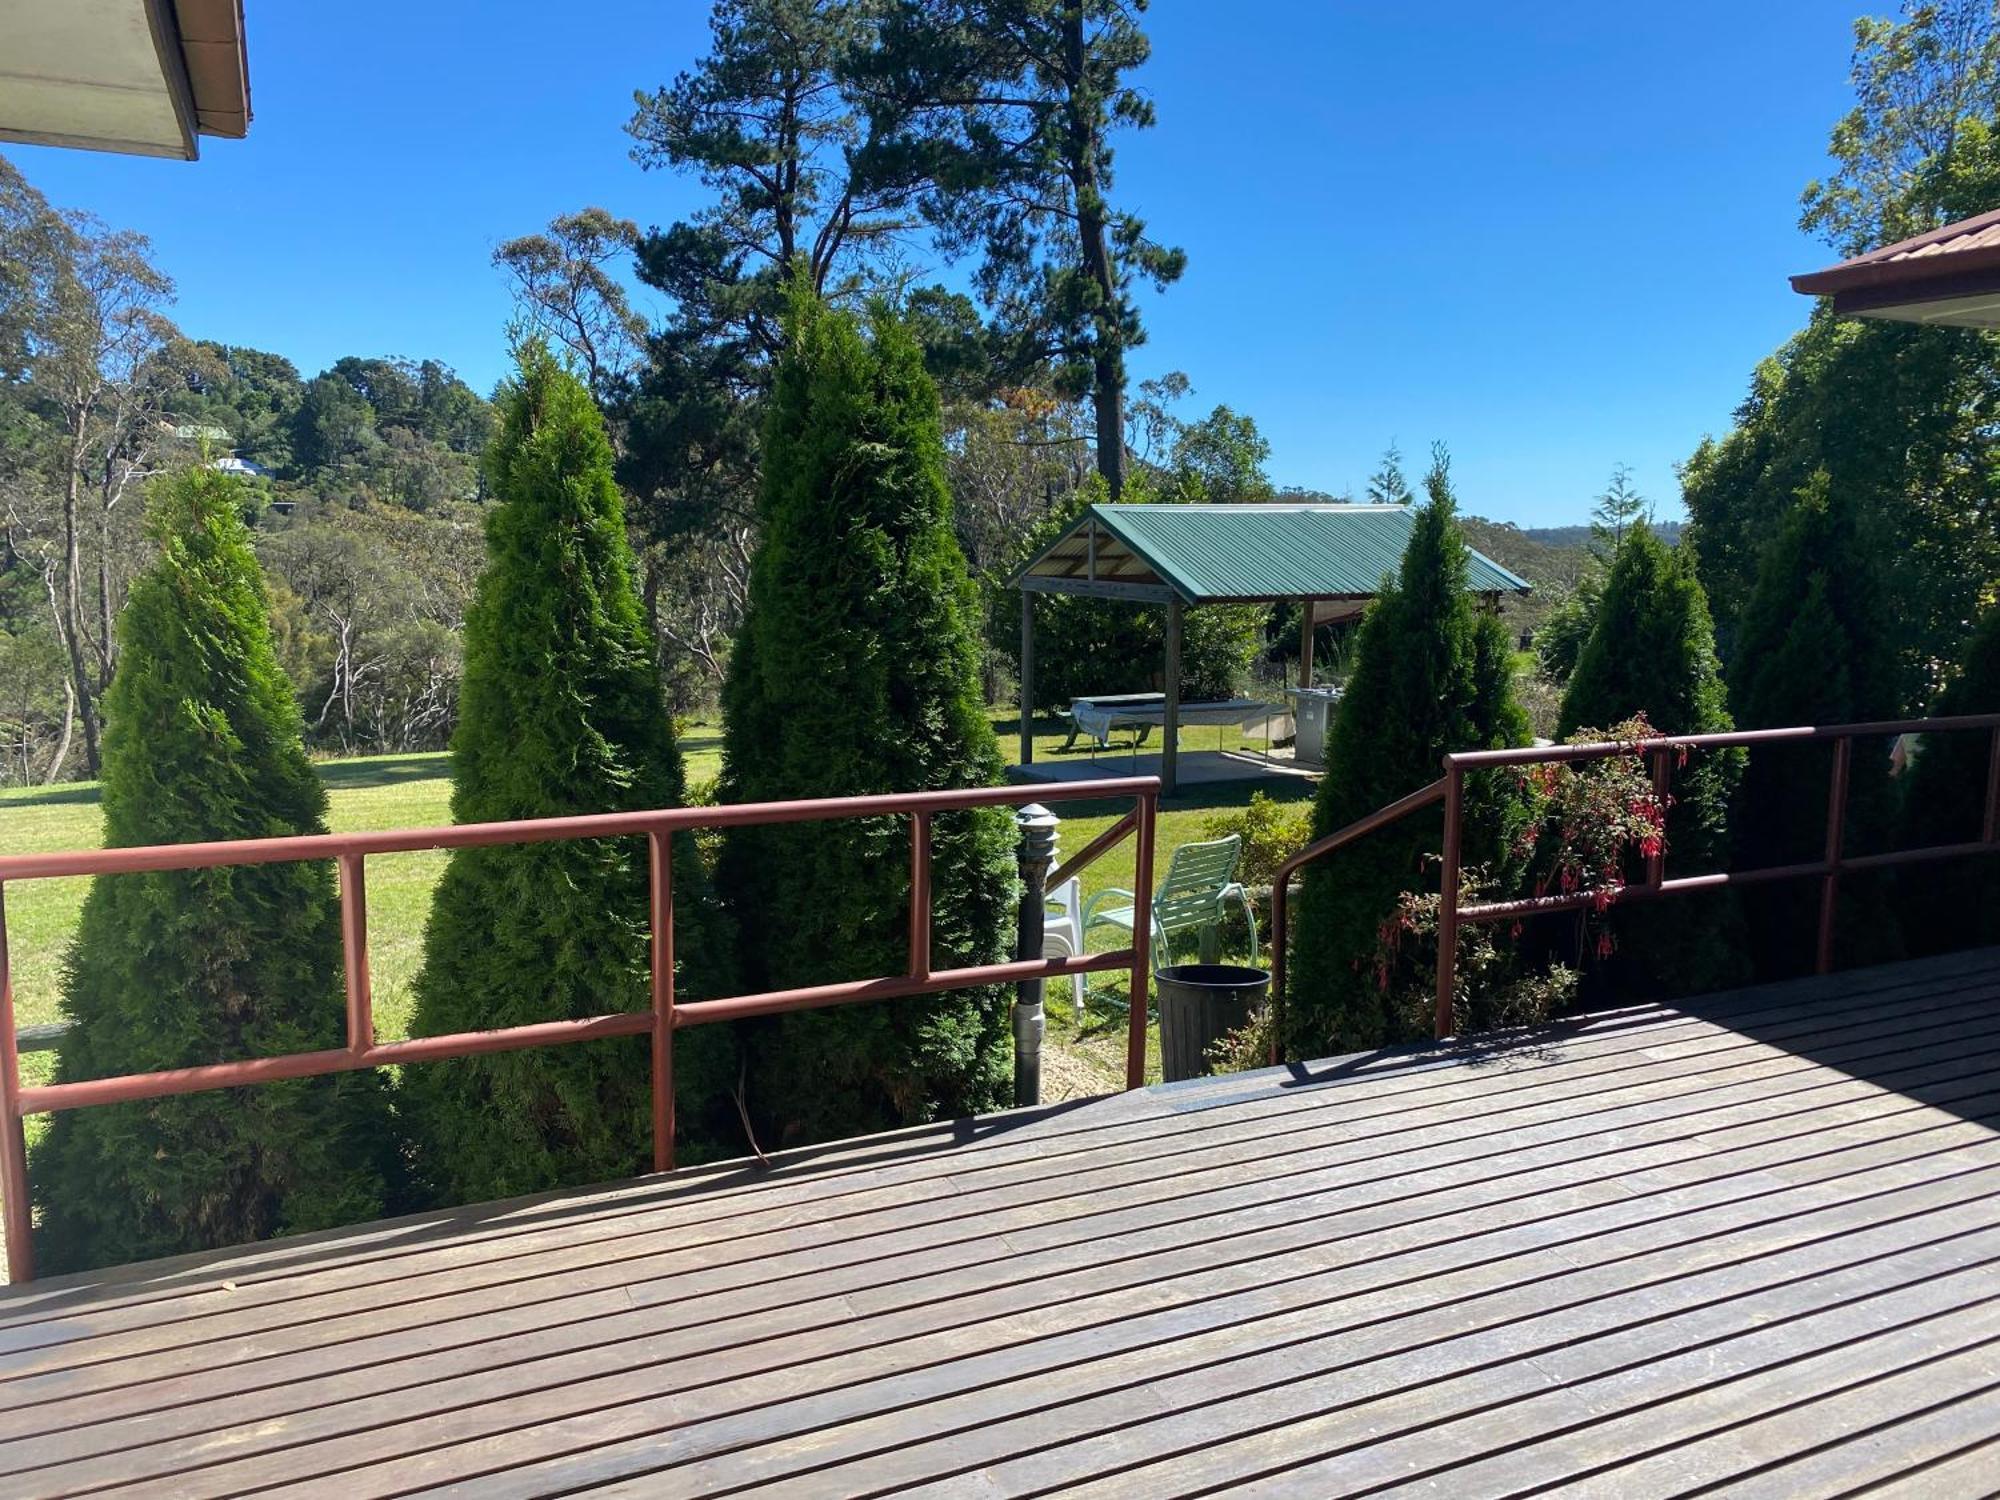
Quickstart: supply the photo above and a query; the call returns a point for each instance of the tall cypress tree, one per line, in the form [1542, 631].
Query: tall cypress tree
[1816, 647]
[857, 672]
[1651, 651]
[561, 713]
[1432, 673]
[1954, 905]
[178, 968]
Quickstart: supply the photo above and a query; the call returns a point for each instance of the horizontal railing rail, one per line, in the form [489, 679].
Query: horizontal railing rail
[665, 1014]
[1662, 752]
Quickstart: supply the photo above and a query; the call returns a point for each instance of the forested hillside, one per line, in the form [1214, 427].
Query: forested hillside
[362, 486]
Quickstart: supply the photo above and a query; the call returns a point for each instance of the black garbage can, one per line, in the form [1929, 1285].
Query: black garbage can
[1199, 1005]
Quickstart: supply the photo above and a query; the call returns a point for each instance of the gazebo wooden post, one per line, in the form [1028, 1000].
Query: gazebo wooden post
[1170, 728]
[1306, 645]
[1027, 677]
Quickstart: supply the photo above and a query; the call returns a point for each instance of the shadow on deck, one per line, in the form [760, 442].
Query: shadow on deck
[1746, 1243]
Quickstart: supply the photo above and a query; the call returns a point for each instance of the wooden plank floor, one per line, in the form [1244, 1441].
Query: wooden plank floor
[1750, 1245]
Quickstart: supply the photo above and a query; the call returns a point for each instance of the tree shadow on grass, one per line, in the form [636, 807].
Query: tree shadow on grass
[345, 775]
[75, 793]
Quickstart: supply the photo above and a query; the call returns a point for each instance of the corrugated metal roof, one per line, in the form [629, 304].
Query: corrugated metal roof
[1216, 552]
[1969, 245]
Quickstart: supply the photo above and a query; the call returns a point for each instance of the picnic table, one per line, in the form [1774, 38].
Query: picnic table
[1094, 714]
[1098, 716]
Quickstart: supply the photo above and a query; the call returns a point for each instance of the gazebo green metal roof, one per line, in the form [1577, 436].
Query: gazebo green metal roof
[1211, 554]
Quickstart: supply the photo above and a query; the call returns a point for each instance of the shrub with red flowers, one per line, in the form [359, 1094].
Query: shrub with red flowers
[1597, 821]
[1593, 824]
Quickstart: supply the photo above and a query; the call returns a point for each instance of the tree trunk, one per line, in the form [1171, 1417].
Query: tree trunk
[1083, 126]
[70, 612]
[105, 643]
[62, 745]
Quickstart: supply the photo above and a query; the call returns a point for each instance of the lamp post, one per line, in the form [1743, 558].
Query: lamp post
[1038, 851]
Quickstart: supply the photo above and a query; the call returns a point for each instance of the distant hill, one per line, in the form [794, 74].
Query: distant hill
[1552, 558]
[1577, 536]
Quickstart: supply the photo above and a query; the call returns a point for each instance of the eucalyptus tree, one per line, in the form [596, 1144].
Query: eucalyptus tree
[92, 358]
[1918, 82]
[567, 288]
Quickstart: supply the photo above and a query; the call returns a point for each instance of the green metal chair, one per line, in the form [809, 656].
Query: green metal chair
[1200, 880]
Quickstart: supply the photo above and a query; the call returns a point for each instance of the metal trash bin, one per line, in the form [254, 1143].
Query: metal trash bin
[1199, 1005]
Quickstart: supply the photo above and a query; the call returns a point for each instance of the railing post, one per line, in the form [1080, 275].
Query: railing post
[354, 954]
[1036, 826]
[1273, 1054]
[18, 1220]
[1990, 828]
[1663, 781]
[920, 895]
[1142, 941]
[659, 846]
[1447, 963]
[1836, 833]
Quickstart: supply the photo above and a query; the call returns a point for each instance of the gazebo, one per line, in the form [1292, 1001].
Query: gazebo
[1331, 558]
[1949, 276]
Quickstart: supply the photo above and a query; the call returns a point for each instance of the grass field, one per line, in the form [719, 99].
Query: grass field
[398, 791]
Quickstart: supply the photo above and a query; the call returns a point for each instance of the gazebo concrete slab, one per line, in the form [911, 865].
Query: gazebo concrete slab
[1197, 768]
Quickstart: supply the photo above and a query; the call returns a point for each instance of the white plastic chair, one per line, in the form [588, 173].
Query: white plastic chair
[1062, 932]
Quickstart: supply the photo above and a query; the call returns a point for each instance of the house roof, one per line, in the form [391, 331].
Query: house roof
[1209, 554]
[146, 77]
[1948, 275]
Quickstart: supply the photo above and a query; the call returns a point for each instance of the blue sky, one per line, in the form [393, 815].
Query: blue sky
[1555, 236]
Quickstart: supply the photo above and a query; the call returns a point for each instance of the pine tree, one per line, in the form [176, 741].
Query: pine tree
[1387, 486]
[1955, 904]
[1432, 673]
[1617, 511]
[561, 713]
[857, 672]
[1651, 651]
[179, 968]
[1815, 648]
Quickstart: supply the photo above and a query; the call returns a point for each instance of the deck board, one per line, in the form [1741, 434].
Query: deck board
[1750, 1243]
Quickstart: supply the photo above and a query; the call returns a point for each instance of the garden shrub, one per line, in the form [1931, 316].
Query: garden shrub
[1815, 647]
[184, 967]
[562, 714]
[1272, 832]
[1954, 904]
[857, 671]
[1432, 673]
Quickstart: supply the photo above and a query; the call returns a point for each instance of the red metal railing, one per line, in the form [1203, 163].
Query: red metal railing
[1663, 752]
[665, 1016]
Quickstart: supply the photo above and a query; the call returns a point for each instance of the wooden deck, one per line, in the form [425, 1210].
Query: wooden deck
[1751, 1244]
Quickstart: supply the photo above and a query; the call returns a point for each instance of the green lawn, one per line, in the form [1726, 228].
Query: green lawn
[395, 791]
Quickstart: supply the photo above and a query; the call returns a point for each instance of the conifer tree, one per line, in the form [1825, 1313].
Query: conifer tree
[1651, 651]
[1387, 486]
[1815, 647]
[1432, 673]
[1617, 511]
[1956, 904]
[561, 713]
[857, 672]
[183, 967]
